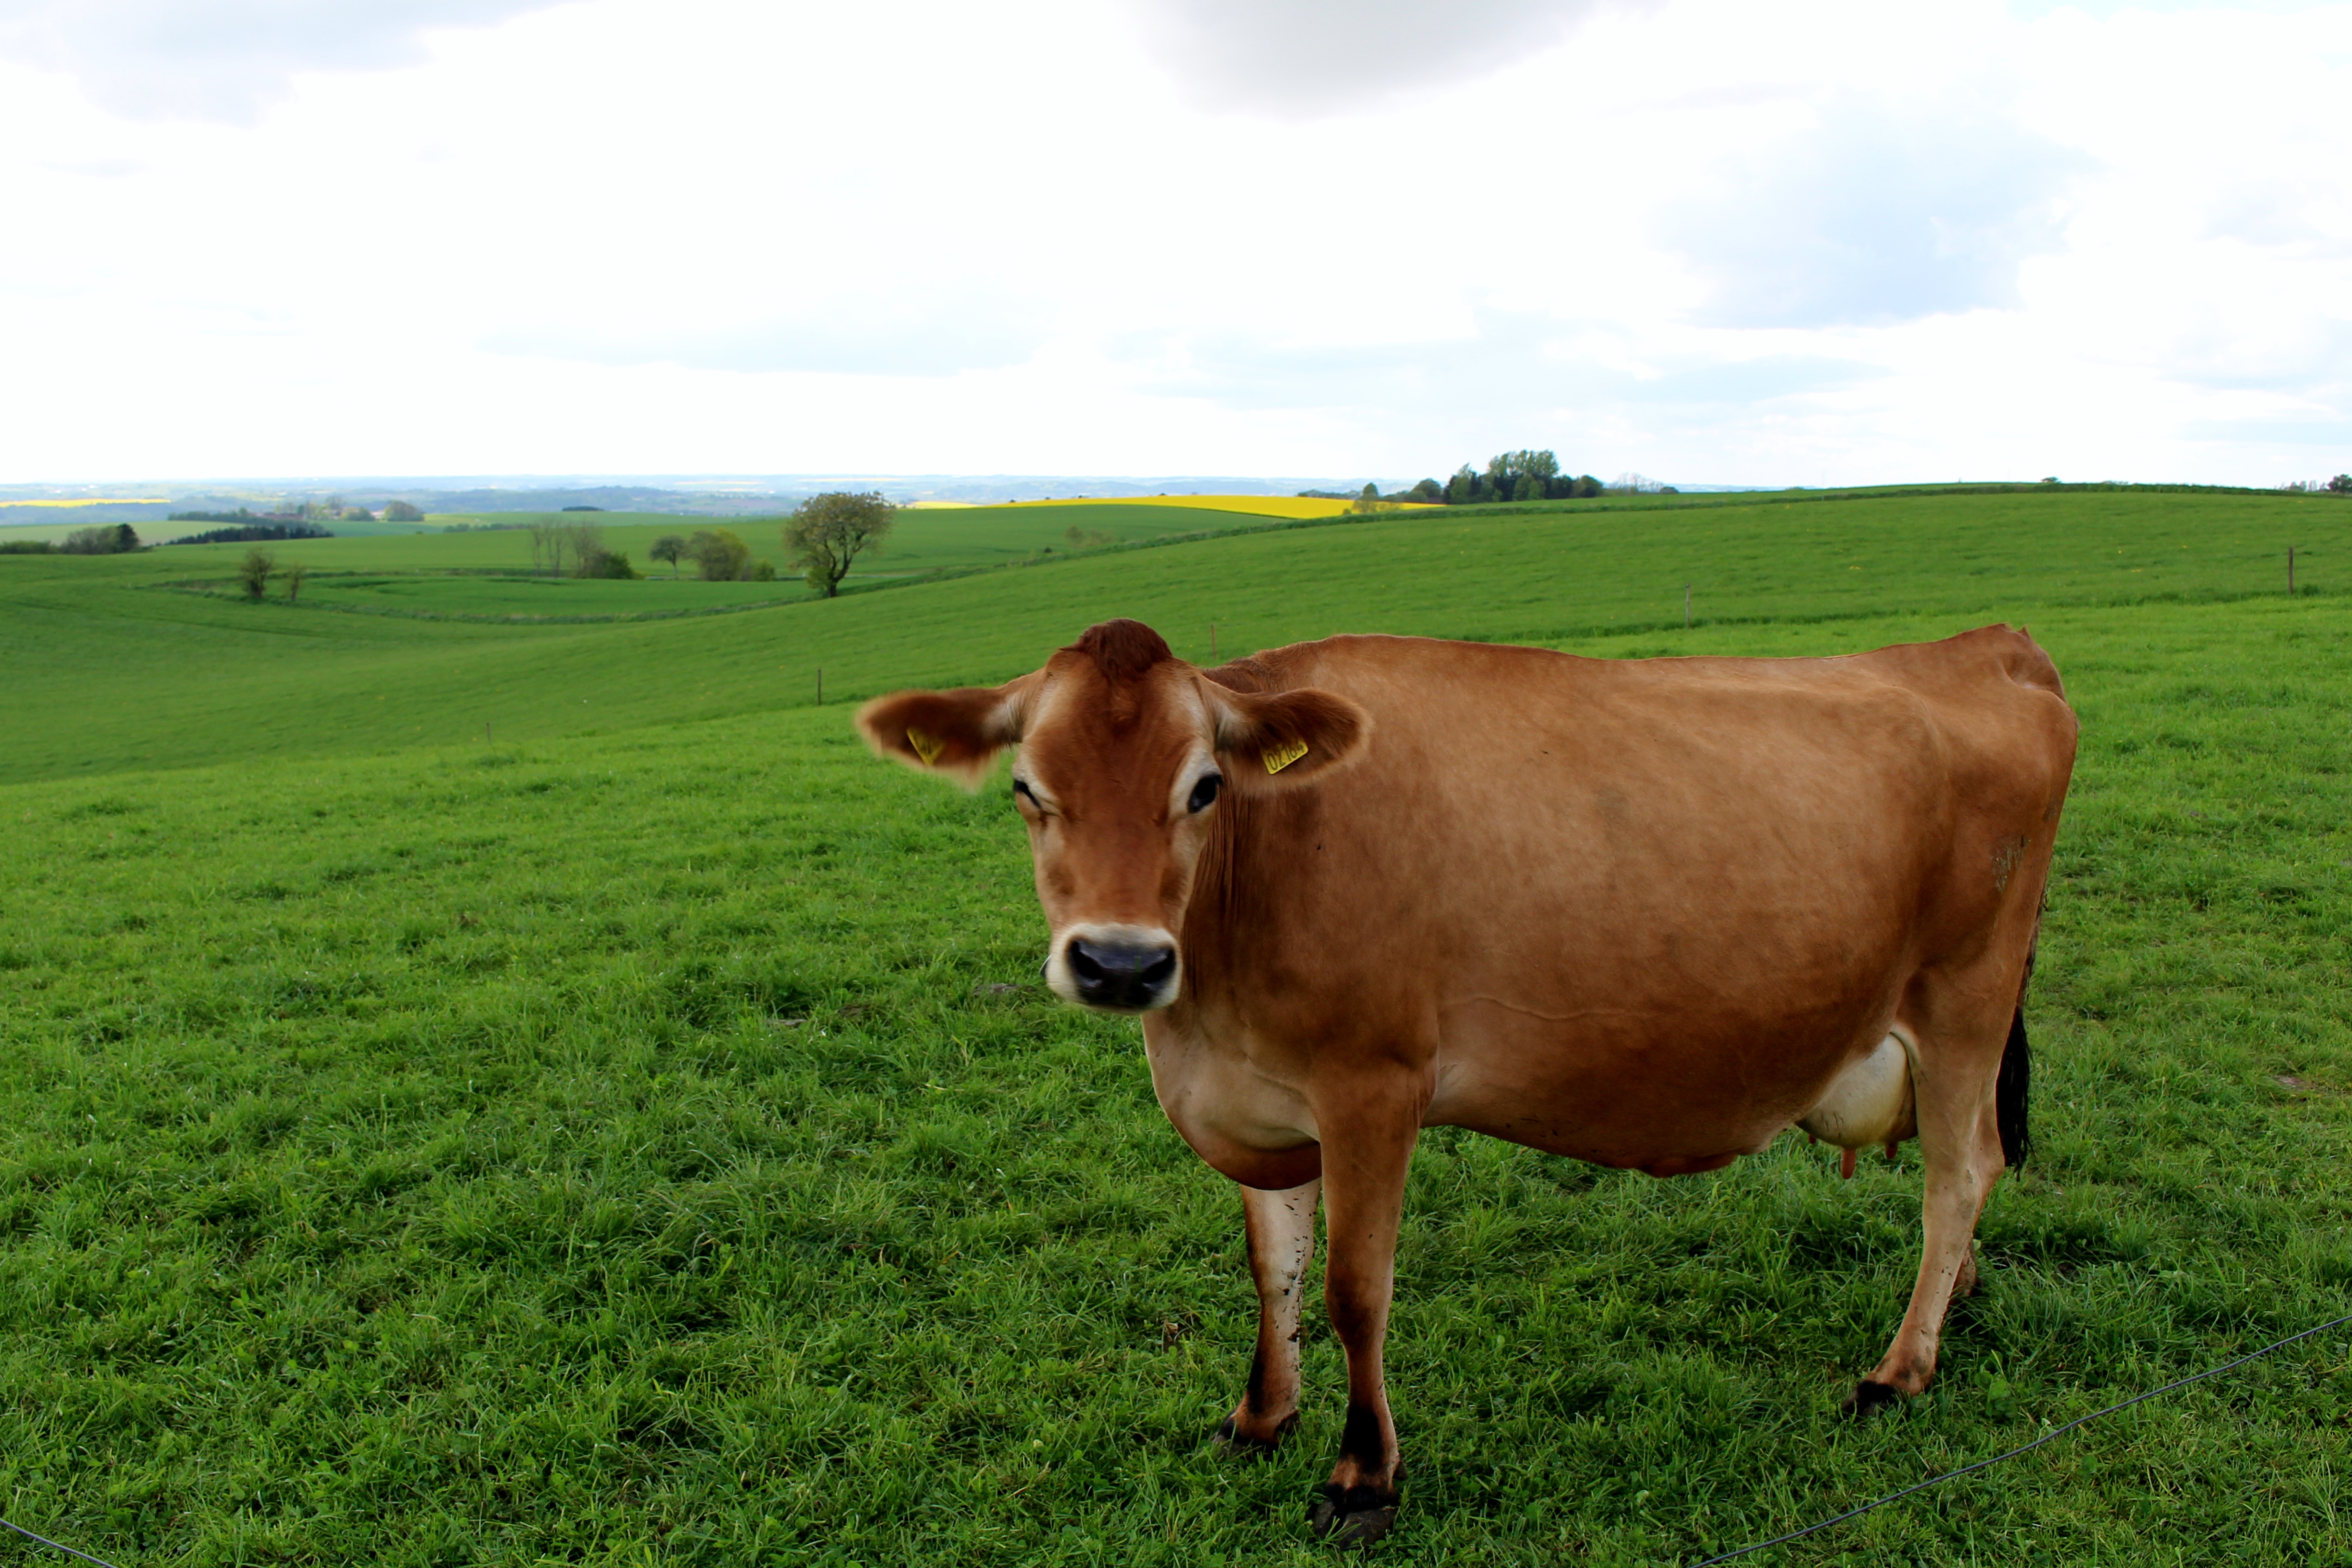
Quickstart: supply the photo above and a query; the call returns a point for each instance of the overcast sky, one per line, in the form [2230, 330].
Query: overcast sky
[1810, 242]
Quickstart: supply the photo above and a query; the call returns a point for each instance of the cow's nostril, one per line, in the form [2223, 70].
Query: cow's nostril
[1121, 974]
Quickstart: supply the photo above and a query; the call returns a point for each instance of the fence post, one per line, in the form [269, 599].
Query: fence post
[2290, 571]
[1686, 625]
[820, 686]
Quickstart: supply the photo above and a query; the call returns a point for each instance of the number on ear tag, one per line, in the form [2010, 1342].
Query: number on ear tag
[1277, 758]
[925, 746]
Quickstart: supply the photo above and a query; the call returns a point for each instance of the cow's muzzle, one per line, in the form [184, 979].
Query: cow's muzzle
[1127, 969]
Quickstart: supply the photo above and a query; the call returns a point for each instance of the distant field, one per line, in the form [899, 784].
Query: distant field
[543, 597]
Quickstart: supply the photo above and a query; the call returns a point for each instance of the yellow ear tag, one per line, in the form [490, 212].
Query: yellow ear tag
[925, 747]
[1277, 758]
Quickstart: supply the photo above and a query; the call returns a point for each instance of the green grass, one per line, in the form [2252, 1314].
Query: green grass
[653, 1145]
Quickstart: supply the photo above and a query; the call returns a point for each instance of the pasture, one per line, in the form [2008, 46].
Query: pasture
[642, 1137]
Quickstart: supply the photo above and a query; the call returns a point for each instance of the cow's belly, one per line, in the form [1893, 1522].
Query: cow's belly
[1657, 1094]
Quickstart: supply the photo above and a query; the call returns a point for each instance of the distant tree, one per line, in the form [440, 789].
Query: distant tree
[602, 563]
[670, 547]
[1585, 486]
[1426, 490]
[720, 554]
[100, 539]
[585, 541]
[546, 544]
[828, 532]
[294, 573]
[764, 571]
[402, 511]
[1367, 499]
[2341, 485]
[1463, 488]
[254, 571]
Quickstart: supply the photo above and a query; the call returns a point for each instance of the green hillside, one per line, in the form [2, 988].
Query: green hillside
[161, 676]
[639, 1137]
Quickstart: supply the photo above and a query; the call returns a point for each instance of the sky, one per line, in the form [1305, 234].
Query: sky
[1808, 242]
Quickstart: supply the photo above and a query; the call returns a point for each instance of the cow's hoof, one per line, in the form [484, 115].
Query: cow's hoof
[1233, 1440]
[1869, 1399]
[1352, 1516]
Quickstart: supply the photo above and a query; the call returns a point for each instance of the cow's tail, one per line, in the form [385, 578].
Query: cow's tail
[2016, 1081]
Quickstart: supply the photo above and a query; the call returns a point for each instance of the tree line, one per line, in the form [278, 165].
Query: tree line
[824, 535]
[1524, 475]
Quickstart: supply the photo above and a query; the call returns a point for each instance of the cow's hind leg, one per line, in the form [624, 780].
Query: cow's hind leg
[1971, 1089]
[1281, 1227]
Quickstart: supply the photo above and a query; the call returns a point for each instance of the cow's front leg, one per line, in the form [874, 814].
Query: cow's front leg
[1281, 1226]
[1364, 1160]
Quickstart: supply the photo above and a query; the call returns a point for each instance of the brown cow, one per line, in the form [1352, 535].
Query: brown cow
[1648, 913]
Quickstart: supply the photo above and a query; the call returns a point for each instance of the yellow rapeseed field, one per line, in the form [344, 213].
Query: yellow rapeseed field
[1259, 505]
[93, 500]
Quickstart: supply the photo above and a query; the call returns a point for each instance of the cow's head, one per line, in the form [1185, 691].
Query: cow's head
[1124, 757]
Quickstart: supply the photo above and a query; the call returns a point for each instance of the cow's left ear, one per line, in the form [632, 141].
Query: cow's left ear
[956, 732]
[1286, 737]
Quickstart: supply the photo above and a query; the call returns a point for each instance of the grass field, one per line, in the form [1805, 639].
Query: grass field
[643, 1139]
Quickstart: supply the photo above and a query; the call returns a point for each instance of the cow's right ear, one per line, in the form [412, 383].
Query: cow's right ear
[954, 732]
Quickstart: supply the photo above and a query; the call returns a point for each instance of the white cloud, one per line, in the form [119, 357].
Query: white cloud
[225, 60]
[1296, 58]
[1835, 241]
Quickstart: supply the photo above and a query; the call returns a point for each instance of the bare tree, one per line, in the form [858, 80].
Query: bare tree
[546, 544]
[587, 540]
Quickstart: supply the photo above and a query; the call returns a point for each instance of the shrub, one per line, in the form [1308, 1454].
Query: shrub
[254, 571]
[402, 511]
[2340, 485]
[27, 547]
[602, 563]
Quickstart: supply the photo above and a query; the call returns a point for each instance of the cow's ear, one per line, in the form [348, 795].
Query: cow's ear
[1286, 737]
[954, 732]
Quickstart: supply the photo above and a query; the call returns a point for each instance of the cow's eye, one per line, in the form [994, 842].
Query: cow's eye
[1204, 794]
[1021, 787]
